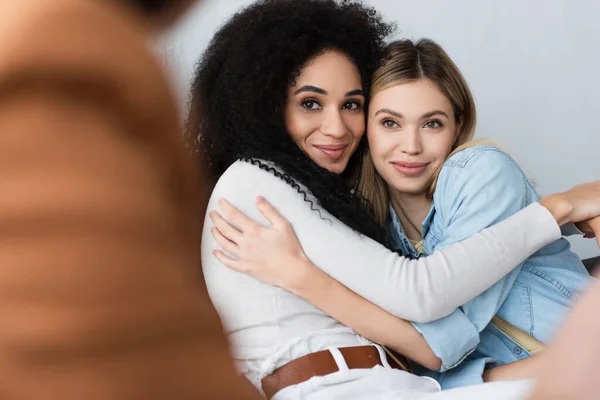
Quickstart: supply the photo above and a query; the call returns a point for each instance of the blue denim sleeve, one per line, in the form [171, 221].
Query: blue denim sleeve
[451, 338]
[468, 373]
[477, 188]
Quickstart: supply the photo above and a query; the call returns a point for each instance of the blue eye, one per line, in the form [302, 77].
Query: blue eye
[311, 105]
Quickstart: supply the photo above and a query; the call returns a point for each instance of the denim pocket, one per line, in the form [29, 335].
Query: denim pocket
[518, 308]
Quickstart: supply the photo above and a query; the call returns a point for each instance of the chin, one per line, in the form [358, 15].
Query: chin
[333, 167]
[336, 169]
[414, 189]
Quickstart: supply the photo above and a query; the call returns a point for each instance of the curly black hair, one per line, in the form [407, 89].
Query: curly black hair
[240, 87]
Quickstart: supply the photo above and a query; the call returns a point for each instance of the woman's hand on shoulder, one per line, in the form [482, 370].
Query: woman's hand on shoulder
[272, 254]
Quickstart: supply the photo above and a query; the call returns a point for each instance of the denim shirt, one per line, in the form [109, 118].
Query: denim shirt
[477, 188]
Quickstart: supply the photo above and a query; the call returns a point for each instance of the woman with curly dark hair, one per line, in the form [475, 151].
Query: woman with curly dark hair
[241, 89]
[278, 106]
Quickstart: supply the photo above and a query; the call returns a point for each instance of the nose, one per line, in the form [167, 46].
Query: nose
[334, 125]
[411, 143]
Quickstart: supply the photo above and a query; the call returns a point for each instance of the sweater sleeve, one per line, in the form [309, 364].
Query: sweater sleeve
[417, 290]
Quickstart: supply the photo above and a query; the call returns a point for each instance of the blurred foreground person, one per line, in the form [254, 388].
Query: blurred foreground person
[570, 368]
[101, 295]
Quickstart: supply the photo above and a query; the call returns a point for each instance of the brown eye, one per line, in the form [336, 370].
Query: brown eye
[311, 105]
[351, 105]
[433, 124]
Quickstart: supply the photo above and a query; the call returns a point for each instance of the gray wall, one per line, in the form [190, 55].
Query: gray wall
[532, 65]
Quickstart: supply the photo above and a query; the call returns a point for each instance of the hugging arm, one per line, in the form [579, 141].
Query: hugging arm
[418, 290]
[329, 295]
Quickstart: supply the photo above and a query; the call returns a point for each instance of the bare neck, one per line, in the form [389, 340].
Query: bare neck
[412, 210]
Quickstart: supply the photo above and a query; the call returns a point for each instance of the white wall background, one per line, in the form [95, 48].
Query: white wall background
[533, 66]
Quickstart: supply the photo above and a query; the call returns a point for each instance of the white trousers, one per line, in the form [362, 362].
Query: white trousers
[382, 383]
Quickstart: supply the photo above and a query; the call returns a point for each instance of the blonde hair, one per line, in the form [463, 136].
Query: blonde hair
[406, 61]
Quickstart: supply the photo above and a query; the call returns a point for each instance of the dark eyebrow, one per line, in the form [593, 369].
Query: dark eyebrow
[435, 112]
[388, 111]
[309, 88]
[355, 92]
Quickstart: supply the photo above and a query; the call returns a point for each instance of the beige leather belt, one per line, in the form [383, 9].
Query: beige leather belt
[524, 340]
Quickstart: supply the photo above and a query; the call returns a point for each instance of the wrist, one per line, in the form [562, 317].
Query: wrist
[528, 368]
[311, 282]
[559, 206]
[302, 279]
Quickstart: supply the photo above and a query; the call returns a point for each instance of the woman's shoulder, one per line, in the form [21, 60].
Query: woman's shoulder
[488, 162]
[478, 169]
[243, 172]
[252, 176]
[482, 154]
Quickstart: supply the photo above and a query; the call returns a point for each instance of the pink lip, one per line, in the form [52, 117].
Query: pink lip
[333, 151]
[410, 168]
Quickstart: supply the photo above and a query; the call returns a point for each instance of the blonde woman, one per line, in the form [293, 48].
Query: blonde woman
[263, 254]
[433, 186]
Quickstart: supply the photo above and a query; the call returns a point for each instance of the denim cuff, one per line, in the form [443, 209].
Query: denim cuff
[468, 373]
[451, 338]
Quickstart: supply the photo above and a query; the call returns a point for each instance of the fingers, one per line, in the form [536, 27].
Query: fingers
[270, 212]
[225, 228]
[585, 228]
[237, 218]
[595, 225]
[226, 244]
[227, 261]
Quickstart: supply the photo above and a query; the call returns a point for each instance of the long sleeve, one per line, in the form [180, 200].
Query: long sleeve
[418, 290]
[100, 289]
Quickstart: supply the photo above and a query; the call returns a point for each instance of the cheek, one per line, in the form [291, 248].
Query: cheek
[379, 146]
[298, 125]
[441, 147]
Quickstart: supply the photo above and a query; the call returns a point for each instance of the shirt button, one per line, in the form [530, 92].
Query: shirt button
[518, 350]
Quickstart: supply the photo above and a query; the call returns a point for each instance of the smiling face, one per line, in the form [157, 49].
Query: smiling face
[411, 131]
[324, 110]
